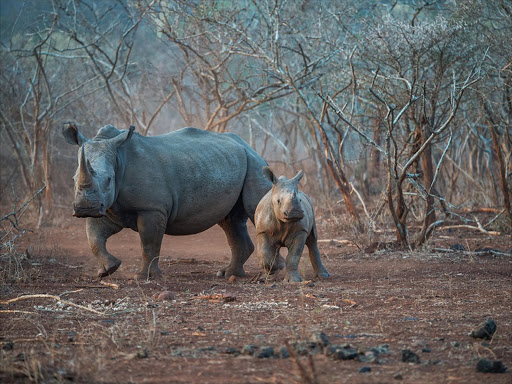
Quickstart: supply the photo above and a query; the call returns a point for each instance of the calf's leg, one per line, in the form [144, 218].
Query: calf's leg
[314, 255]
[295, 249]
[268, 254]
[98, 231]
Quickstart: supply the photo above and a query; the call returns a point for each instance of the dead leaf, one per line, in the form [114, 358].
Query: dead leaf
[198, 334]
[348, 301]
[231, 279]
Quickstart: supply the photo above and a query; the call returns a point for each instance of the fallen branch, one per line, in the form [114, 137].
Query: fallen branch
[44, 296]
[479, 228]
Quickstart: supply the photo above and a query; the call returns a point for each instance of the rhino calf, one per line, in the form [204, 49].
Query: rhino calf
[285, 218]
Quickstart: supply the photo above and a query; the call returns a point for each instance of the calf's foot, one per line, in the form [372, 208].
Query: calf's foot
[293, 277]
[322, 273]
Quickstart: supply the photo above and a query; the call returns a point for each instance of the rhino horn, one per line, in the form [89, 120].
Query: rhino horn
[84, 176]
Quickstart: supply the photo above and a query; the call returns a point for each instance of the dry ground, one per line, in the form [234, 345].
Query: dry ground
[427, 302]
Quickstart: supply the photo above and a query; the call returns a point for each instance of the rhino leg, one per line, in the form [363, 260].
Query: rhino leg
[98, 231]
[151, 226]
[235, 228]
[314, 255]
[292, 260]
[268, 254]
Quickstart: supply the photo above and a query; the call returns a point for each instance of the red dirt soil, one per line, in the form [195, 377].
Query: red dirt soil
[425, 301]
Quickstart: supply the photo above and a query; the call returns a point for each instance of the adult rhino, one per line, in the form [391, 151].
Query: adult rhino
[180, 183]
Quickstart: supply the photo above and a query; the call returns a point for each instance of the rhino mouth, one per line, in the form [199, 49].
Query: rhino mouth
[293, 216]
[89, 212]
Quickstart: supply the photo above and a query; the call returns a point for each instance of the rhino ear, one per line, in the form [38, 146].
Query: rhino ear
[72, 134]
[297, 177]
[269, 175]
[123, 137]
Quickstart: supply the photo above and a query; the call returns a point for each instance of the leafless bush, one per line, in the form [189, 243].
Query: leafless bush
[11, 231]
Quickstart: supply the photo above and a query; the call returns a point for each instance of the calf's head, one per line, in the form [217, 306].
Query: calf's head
[95, 176]
[286, 202]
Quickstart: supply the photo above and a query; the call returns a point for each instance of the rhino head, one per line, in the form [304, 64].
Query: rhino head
[286, 202]
[95, 189]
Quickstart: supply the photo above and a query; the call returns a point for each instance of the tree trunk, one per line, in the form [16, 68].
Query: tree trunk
[503, 176]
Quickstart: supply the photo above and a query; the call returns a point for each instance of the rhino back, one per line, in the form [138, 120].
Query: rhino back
[192, 176]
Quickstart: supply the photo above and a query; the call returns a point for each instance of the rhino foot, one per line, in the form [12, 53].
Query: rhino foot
[110, 268]
[152, 275]
[228, 272]
[323, 274]
[293, 277]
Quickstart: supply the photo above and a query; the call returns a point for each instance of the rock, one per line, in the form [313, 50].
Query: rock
[381, 349]
[458, 247]
[20, 357]
[490, 366]
[409, 356]
[486, 332]
[249, 350]
[372, 354]
[265, 353]
[8, 345]
[320, 339]
[231, 351]
[341, 352]
[367, 357]
[426, 350]
[283, 353]
[365, 369]
[142, 354]
[164, 295]
[398, 376]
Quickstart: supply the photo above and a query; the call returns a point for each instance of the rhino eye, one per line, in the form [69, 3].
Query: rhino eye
[107, 182]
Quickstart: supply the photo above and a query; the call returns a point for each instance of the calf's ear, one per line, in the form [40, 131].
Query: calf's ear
[269, 175]
[72, 134]
[297, 177]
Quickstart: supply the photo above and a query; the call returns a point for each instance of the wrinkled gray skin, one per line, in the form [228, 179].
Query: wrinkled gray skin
[285, 218]
[180, 183]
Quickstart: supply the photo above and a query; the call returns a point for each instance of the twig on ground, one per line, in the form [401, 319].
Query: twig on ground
[473, 253]
[305, 376]
[17, 311]
[44, 296]
[335, 241]
[112, 285]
